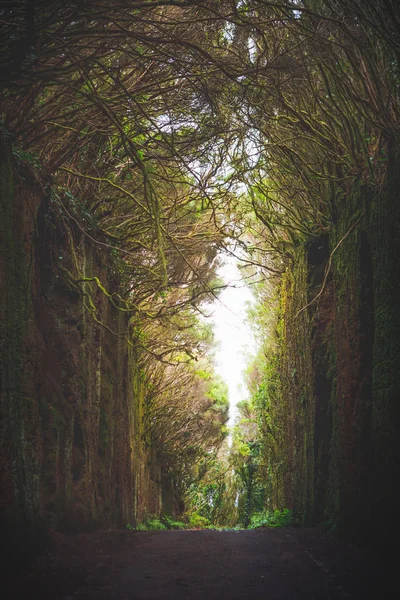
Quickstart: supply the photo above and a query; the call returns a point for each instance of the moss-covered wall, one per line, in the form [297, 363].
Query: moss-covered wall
[71, 441]
[340, 375]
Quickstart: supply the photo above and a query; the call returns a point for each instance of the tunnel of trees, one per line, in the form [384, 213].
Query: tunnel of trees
[141, 141]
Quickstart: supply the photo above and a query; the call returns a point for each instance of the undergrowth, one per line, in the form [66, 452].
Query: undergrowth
[276, 518]
[154, 524]
[267, 518]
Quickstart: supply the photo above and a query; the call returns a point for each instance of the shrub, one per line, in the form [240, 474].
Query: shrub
[198, 522]
[276, 518]
[155, 525]
[171, 524]
[151, 524]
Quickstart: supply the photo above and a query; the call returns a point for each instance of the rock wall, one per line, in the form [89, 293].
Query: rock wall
[340, 376]
[73, 454]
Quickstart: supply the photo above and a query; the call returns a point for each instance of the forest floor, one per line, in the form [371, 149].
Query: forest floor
[282, 564]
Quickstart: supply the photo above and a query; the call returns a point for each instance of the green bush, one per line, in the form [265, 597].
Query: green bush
[151, 524]
[155, 525]
[276, 518]
[198, 522]
[171, 524]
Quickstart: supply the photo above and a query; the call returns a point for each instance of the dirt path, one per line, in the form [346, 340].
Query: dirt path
[263, 564]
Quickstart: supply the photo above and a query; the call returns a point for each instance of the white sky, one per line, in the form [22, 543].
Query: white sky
[235, 340]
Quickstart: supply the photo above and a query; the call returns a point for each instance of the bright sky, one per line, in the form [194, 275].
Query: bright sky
[233, 335]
